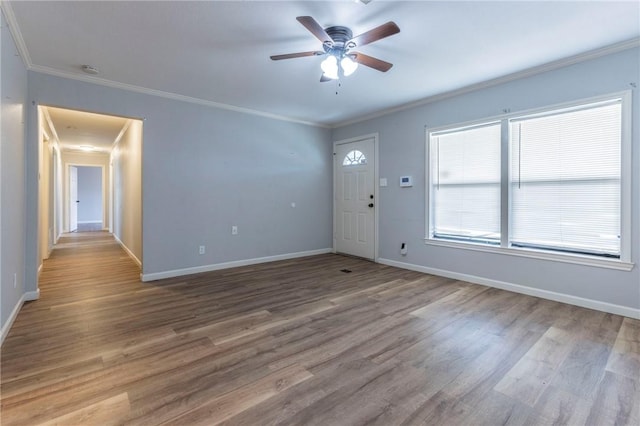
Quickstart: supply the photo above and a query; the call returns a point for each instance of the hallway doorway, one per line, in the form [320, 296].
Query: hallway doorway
[86, 198]
[91, 180]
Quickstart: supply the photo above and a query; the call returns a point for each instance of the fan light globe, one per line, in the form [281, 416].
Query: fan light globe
[330, 67]
[348, 66]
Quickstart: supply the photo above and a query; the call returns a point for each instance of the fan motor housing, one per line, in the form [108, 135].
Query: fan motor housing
[340, 36]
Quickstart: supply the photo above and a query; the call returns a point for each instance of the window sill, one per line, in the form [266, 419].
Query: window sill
[536, 254]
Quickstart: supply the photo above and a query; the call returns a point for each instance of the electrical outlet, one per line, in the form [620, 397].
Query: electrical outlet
[15, 280]
[201, 250]
[234, 230]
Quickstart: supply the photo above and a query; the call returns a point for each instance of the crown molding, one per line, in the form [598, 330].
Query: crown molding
[5, 5]
[14, 28]
[549, 66]
[168, 95]
[24, 54]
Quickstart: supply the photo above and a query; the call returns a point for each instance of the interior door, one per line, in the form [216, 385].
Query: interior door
[73, 199]
[354, 198]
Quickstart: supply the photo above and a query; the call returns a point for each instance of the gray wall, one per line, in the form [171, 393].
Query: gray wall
[402, 152]
[89, 194]
[203, 170]
[126, 159]
[12, 169]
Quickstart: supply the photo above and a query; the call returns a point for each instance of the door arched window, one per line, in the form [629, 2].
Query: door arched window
[354, 158]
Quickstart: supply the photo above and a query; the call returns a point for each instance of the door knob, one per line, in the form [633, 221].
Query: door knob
[370, 204]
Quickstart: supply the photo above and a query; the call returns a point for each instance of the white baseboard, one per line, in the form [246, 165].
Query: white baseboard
[129, 252]
[32, 295]
[89, 221]
[517, 288]
[28, 296]
[234, 264]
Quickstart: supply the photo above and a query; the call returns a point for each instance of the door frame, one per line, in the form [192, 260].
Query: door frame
[376, 188]
[72, 207]
[67, 194]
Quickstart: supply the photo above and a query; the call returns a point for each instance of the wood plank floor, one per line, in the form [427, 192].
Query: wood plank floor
[300, 342]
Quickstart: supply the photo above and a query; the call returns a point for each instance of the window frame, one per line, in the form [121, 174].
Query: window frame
[431, 197]
[623, 263]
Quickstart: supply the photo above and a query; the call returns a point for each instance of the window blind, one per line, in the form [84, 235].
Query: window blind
[565, 180]
[465, 183]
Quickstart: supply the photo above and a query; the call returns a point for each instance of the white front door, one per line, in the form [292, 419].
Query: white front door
[354, 189]
[73, 199]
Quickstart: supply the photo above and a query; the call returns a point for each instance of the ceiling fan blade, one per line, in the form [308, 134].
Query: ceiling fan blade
[371, 62]
[324, 79]
[296, 55]
[315, 28]
[384, 30]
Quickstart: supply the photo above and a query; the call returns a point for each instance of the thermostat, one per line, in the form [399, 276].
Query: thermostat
[406, 181]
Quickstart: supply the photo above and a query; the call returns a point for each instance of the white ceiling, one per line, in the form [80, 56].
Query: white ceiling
[77, 129]
[218, 51]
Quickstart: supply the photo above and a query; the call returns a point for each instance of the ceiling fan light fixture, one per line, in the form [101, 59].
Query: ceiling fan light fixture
[330, 67]
[348, 65]
[337, 42]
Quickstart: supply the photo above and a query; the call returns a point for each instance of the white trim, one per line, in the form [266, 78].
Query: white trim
[106, 209]
[16, 33]
[233, 264]
[153, 92]
[124, 129]
[376, 187]
[129, 252]
[11, 319]
[90, 221]
[517, 288]
[32, 295]
[575, 259]
[623, 264]
[26, 297]
[549, 66]
[626, 174]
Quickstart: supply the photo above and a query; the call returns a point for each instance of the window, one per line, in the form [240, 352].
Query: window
[562, 192]
[465, 183]
[354, 158]
[565, 180]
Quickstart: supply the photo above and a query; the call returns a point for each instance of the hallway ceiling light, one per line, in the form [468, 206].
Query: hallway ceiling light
[87, 148]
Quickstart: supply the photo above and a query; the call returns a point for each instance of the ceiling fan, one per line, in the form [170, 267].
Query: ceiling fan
[337, 43]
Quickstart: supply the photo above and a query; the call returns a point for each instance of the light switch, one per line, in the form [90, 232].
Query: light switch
[383, 181]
